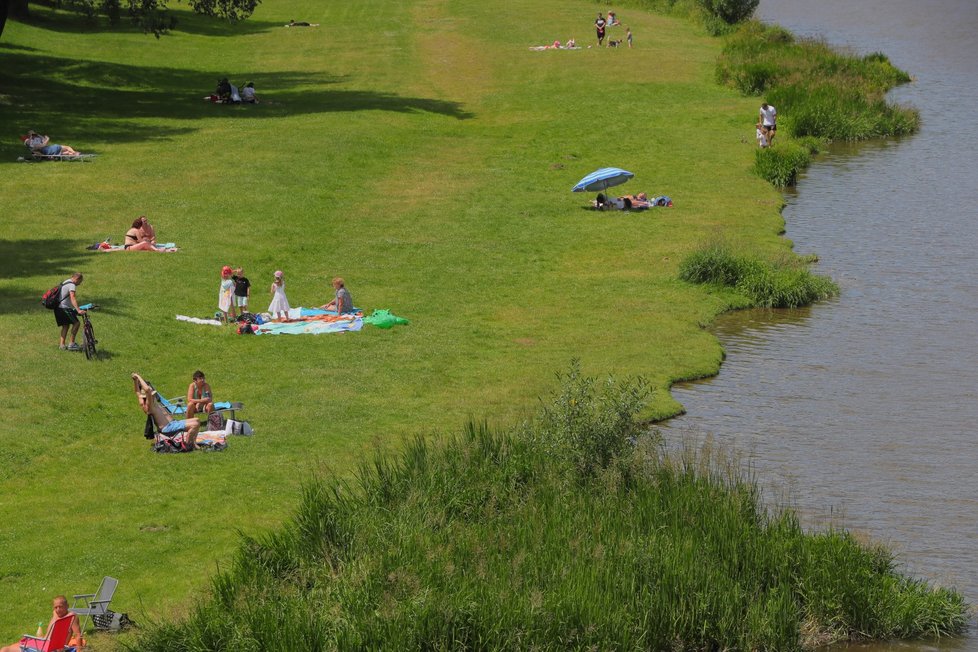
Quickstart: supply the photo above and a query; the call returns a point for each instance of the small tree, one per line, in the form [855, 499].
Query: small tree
[730, 11]
[150, 15]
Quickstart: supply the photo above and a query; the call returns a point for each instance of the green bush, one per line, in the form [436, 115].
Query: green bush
[783, 284]
[780, 165]
[729, 11]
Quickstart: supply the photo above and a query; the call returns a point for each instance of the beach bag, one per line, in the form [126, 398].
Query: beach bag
[215, 421]
[111, 621]
[52, 297]
[149, 430]
[174, 444]
[234, 427]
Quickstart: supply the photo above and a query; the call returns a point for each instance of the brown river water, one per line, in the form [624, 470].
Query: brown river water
[863, 411]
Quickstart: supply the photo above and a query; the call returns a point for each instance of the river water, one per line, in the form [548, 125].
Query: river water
[863, 410]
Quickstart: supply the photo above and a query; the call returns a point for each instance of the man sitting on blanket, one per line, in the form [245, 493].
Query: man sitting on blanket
[163, 419]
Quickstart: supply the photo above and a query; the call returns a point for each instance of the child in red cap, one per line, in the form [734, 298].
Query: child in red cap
[224, 302]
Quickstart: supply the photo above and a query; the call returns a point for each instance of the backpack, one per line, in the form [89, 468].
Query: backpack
[52, 297]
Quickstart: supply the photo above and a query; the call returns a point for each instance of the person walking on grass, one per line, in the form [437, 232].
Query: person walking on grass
[67, 311]
[769, 122]
[599, 26]
[628, 37]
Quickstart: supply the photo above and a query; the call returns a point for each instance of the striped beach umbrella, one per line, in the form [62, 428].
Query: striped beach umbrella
[602, 179]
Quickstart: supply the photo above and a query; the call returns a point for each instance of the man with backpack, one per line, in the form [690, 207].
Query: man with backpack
[66, 311]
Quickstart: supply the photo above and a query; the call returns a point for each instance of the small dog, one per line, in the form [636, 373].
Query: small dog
[614, 44]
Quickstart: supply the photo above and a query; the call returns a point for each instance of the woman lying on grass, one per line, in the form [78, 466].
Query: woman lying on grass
[42, 145]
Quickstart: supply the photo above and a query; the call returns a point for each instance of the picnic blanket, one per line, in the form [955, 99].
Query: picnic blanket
[310, 321]
[168, 247]
[312, 325]
[56, 157]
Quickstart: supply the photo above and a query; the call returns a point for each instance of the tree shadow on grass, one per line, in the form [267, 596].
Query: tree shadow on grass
[79, 102]
[28, 258]
[186, 21]
[14, 46]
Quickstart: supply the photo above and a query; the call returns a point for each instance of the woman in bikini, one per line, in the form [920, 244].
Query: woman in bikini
[135, 239]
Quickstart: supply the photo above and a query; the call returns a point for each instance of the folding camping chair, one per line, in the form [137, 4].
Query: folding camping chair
[227, 410]
[95, 604]
[56, 637]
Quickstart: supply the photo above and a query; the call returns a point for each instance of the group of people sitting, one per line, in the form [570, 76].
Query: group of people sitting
[571, 44]
[640, 201]
[228, 93]
[41, 145]
[141, 236]
[200, 399]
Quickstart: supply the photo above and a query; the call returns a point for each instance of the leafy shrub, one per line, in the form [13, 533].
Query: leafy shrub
[587, 428]
[729, 11]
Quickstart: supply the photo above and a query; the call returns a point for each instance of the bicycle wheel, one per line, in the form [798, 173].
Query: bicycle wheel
[89, 345]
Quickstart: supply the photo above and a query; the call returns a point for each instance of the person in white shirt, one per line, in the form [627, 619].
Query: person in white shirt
[248, 93]
[769, 121]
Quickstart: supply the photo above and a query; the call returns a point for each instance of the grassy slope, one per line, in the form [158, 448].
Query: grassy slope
[416, 148]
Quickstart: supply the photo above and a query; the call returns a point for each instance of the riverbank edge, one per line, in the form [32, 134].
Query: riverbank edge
[798, 152]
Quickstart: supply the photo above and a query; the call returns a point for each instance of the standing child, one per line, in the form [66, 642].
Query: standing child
[761, 136]
[628, 36]
[242, 290]
[225, 301]
[280, 304]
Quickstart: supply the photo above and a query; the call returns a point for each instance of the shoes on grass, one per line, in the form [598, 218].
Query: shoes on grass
[73, 347]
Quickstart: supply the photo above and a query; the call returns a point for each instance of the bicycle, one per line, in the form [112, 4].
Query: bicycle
[88, 332]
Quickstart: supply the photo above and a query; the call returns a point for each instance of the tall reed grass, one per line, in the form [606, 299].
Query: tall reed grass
[818, 91]
[513, 540]
[784, 283]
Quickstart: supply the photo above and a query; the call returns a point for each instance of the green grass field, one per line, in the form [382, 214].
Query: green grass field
[416, 148]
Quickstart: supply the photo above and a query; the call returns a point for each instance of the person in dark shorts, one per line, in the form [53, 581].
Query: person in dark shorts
[769, 122]
[599, 26]
[242, 290]
[67, 311]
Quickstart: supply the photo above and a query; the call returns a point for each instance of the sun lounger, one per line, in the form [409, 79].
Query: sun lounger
[35, 157]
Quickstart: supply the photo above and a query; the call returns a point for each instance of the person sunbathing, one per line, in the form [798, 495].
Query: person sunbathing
[135, 239]
[42, 145]
[164, 421]
[74, 638]
[303, 23]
